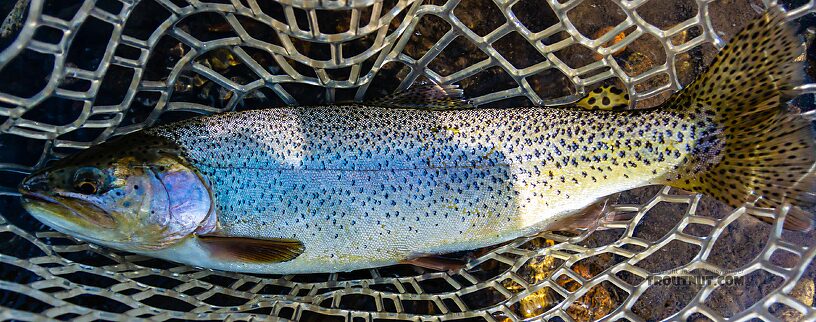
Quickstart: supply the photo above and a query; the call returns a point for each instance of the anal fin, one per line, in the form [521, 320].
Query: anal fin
[797, 219]
[252, 250]
[591, 218]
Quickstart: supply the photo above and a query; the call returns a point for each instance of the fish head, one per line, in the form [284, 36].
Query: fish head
[124, 195]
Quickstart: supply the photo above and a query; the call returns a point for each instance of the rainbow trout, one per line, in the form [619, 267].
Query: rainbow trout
[339, 188]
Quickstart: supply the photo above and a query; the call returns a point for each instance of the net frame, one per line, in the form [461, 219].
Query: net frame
[60, 271]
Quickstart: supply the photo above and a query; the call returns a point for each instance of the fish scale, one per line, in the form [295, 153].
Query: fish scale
[387, 184]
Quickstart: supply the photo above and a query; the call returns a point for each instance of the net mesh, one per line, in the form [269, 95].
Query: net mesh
[76, 72]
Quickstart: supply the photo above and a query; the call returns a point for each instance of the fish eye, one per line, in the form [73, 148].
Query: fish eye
[87, 188]
[88, 180]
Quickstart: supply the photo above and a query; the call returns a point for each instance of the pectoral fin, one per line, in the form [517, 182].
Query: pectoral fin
[274, 250]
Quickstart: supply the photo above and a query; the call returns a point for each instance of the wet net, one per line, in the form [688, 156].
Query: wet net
[73, 73]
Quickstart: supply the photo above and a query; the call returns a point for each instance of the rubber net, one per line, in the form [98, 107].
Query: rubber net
[75, 72]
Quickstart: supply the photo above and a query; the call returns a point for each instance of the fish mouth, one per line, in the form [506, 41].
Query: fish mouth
[61, 206]
[31, 196]
[59, 217]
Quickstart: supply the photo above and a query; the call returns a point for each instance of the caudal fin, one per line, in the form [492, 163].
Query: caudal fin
[765, 150]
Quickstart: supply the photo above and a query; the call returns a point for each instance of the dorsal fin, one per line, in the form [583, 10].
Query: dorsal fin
[428, 96]
[606, 98]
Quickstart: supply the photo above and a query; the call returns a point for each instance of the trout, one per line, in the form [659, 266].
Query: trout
[340, 188]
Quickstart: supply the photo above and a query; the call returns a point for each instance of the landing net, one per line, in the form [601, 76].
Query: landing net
[73, 73]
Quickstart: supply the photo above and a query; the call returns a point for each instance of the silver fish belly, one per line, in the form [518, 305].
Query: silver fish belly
[366, 186]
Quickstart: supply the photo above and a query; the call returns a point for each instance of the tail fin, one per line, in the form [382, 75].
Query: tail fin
[768, 153]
